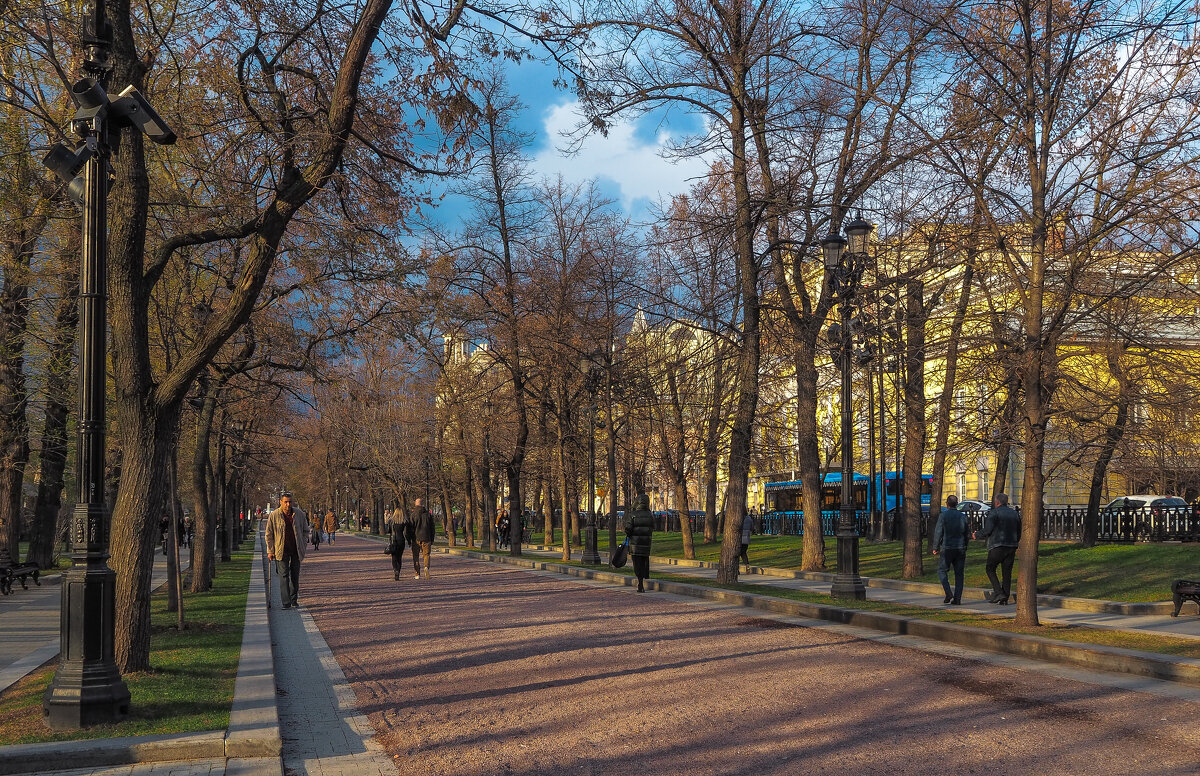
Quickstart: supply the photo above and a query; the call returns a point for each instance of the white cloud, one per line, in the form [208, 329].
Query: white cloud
[637, 168]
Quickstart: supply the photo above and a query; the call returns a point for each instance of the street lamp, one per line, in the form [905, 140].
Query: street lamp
[845, 259]
[88, 688]
[591, 382]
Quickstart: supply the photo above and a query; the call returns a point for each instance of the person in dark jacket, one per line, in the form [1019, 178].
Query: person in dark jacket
[1002, 529]
[639, 527]
[397, 527]
[950, 543]
[747, 528]
[422, 538]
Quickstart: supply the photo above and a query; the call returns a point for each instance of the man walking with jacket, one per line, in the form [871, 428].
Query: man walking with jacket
[1002, 529]
[950, 543]
[422, 528]
[287, 539]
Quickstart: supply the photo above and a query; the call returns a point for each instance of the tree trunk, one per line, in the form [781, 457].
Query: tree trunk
[914, 428]
[147, 438]
[224, 535]
[746, 406]
[548, 520]
[472, 516]
[1112, 437]
[946, 400]
[808, 454]
[53, 459]
[203, 558]
[564, 495]
[487, 538]
[14, 430]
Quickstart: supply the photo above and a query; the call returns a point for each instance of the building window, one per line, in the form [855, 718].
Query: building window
[962, 486]
[985, 483]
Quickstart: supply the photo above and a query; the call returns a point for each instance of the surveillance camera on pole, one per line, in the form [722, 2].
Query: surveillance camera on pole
[88, 688]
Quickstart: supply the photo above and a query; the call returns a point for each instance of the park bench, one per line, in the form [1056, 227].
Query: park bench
[1184, 590]
[18, 573]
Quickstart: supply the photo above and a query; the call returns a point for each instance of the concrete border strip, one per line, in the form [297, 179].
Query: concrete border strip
[252, 744]
[28, 664]
[1091, 657]
[1054, 601]
[254, 717]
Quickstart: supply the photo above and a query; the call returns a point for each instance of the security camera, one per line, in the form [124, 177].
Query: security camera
[131, 106]
[88, 95]
[66, 164]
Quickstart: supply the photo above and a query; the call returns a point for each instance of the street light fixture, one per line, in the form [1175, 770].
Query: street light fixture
[846, 258]
[87, 687]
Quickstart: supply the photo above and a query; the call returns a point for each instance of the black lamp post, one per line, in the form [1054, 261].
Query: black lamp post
[591, 380]
[87, 688]
[846, 259]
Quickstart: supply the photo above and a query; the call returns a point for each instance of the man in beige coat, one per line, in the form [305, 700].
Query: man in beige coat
[287, 538]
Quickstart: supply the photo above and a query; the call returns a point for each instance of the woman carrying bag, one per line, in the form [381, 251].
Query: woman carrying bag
[639, 528]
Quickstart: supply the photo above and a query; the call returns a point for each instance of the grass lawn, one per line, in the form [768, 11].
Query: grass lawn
[64, 559]
[1111, 572]
[190, 685]
[1145, 642]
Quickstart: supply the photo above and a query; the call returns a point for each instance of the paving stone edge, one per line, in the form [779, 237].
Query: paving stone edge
[1057, 601]
[253, 731]
[1092, 657]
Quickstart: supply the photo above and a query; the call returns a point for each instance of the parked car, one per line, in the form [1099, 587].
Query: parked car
[975, 512]
[1152, 501]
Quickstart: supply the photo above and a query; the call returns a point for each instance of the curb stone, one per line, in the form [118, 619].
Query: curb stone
[1091, 657]
[252, 744]
[1058, 602]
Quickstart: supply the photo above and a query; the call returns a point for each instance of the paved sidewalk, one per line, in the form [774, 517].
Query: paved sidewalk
[250, 745]
[29, 621]
[323, 732]
[1186, 625]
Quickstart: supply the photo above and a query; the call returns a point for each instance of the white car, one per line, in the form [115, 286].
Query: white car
[1136, 503]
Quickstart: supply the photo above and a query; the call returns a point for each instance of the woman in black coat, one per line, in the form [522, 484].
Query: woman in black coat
[401, 531]
[639, 527]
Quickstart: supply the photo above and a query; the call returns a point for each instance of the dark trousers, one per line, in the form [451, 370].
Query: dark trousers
[956, 559]
[397, 562]
[1002, 557]
[641, 567]
[288, 571]
[745, 557]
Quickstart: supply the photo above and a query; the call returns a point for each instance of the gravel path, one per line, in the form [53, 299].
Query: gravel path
[491, 670]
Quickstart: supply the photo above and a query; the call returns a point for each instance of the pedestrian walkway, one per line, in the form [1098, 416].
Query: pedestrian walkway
[323, 732]
[1185, 626]
[29, 621]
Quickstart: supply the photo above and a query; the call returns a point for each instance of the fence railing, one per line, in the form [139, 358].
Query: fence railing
[792, 523]
[1153, 524]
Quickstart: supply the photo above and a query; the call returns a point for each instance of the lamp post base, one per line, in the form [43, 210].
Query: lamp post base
[87, 688]
[591, 555]
[848, 586]
[847, 583]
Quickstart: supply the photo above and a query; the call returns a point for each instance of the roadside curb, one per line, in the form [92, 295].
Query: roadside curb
[252, 744]
[1055, 601]
[1091, 657]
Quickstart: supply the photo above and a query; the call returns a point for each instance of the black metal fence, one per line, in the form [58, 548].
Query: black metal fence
[792, 523]
[1148, 524]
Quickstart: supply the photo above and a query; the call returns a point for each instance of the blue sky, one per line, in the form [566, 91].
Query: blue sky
[628, 163]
